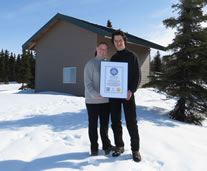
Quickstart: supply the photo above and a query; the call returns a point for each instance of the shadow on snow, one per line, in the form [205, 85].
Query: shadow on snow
[57, 161]
[75, 160]
[58, 122]
[155, 115]
[72, 121]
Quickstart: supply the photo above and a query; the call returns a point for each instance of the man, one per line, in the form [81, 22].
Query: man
[119, 40]
[97, 106]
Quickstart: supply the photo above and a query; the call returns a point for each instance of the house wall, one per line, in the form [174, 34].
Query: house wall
[66, 45]
[143, 53]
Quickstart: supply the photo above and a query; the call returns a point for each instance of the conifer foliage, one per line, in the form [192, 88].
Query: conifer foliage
[185, 71]
[156, 63]
[20, 69]
[109, 24]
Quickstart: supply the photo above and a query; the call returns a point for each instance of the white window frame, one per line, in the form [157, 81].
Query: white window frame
[66, 75]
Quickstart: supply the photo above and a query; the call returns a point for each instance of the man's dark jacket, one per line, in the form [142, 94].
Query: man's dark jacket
[134, 72]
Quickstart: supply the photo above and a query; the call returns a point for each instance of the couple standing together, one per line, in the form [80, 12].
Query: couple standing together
[99, 107]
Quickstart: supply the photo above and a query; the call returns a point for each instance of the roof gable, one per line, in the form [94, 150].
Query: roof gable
[101, 30]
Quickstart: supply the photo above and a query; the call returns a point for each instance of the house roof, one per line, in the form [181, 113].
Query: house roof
[101, 30]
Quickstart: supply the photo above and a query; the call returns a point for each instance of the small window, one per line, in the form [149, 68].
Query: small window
[69, 75]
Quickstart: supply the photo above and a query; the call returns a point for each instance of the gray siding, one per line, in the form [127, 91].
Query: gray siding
[143, 54]
[65, 45]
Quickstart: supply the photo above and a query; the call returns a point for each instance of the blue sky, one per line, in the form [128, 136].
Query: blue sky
[20, 19]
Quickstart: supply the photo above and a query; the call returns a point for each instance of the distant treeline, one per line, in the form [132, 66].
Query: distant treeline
[19, 68]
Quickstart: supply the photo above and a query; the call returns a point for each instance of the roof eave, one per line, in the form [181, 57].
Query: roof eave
[32, 42]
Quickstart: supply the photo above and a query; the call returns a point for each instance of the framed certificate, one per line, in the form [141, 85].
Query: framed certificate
[114, 79]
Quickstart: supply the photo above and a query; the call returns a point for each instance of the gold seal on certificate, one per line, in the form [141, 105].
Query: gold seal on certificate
[114, 79]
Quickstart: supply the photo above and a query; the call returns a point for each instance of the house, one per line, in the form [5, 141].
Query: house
[65, 44]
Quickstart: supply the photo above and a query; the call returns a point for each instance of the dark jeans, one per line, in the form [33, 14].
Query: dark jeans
[96, 111]
[131, 121]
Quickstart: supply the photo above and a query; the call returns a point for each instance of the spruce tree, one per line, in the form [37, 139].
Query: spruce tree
[152, 66]
[157, 62]
[185, 70]
[156, 68]
[12, 67]
[109, 24]
[18, 69]
[31, 83]
[1, 65]
[4, 67]
[25, 70]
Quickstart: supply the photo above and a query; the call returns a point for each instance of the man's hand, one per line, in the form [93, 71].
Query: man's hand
[129, 95]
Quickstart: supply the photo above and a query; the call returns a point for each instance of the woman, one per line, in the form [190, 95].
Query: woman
[97, 106]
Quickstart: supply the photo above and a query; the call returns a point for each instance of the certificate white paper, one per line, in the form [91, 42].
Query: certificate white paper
[114, 79]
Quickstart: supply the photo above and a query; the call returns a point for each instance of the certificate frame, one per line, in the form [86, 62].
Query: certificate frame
[114, 79]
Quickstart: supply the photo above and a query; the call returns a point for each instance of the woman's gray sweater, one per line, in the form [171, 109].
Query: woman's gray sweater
[92, 81]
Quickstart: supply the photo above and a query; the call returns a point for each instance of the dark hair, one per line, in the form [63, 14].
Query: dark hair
[121, 33]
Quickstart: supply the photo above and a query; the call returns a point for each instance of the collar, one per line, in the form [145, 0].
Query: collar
[121, 51]
[99, 58]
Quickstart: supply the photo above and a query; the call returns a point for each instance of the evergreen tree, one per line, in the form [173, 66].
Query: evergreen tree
[6, 55]
[25, 70]
[186, 68]
[31, 83]
[109, 24]
[157, 63]
[1, 65]
[4, 67]
[12, 68]
[18, 69]
[152, 66]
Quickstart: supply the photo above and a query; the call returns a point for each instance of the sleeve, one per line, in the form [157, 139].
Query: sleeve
[88, 80]
[136, 73]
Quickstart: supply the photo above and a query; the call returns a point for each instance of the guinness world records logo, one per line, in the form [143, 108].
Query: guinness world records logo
[114, 71]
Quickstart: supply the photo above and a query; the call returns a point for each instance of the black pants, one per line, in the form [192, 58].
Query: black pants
[101, 111]
[131, 121]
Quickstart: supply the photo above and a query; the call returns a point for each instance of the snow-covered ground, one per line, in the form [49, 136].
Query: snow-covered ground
[48, 132]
